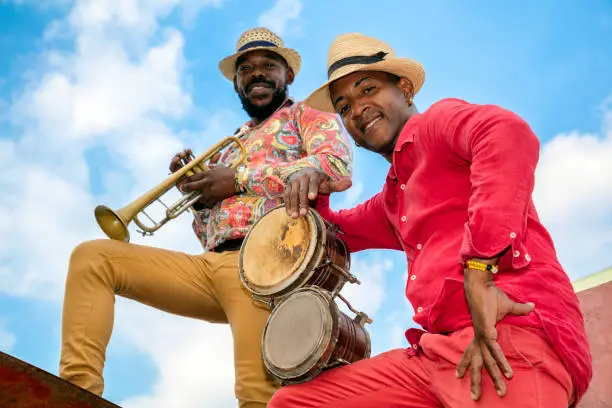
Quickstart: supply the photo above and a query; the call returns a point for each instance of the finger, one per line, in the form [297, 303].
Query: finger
[303, 195]
[464, 363]
[174, 163]
[476, 374]
[287, 198]
[519, 309]
[196, 176]
[493, 370]
[340, 185]
[313, 186]
[293, 199]
[499, 357]
[200, 183]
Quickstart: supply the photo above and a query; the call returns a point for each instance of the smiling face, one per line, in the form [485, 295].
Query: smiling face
[261, 82]
[374, 108]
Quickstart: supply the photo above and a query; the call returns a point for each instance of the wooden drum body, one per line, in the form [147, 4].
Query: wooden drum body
[307, 334]
[280, 254]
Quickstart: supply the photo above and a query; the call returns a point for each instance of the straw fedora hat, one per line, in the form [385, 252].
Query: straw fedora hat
[259, 39]
[354, 52]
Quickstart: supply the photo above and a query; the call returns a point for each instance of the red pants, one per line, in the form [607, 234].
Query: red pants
[396, 379]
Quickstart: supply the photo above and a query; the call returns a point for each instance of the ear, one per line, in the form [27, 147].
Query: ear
[290, 76]
[407, 89]
[235, 84]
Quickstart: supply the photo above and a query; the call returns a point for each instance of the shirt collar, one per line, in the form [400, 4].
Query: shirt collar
[407, 133]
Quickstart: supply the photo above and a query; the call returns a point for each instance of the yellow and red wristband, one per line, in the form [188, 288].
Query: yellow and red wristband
[480, 266]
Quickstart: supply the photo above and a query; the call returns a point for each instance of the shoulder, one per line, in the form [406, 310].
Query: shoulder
[454, 109]
[302, 109]
[446, 106]
[306, 117]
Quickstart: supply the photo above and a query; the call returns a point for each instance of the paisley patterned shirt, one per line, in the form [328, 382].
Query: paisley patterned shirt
[294, 137]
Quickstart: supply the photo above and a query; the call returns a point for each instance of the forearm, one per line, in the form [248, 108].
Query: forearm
[363, 227]
[270, 179]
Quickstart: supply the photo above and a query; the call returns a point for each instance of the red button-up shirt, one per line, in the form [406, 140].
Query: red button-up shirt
[460, 186]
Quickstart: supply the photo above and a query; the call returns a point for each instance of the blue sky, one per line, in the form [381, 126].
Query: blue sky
[91, 109]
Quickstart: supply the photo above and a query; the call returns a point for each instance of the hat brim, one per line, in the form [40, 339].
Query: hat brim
[228, 64]
[320, 99]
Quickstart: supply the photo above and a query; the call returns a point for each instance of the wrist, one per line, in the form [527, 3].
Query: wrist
[479, 270]
[475, 276]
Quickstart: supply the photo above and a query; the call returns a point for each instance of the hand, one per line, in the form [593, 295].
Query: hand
[305, 186]
[488, 305]
[176, 162]
[216, 184]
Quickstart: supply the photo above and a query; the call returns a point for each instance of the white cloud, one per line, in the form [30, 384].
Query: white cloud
[7, 339]
[349, 198]
[116, 92]
[278, 17]
[573, 194]
[368, 296]
[194, 359]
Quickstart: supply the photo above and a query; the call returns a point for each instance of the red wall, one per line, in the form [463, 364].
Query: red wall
[596, 304]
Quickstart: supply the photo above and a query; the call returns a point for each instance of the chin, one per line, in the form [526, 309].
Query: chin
[261, 100]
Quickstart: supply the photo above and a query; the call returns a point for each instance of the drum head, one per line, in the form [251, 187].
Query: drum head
[298, 334]
[276, 250]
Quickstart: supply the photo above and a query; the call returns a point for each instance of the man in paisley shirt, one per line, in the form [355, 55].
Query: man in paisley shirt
[283, 137]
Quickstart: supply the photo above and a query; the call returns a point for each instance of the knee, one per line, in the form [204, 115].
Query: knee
[87, 257]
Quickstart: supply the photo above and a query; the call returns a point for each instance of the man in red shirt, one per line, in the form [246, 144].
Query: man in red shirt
[484, 279]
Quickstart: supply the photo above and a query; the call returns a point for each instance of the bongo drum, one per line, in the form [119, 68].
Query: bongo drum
[280, 254]
[306, 334]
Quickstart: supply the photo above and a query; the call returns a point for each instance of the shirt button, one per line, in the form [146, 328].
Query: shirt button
[414, 346]
[403, 186]
[527, 257]
[419, 247]
[419, 309]
[516, 254]
[412, 277]
[513, 235]
[403, 218]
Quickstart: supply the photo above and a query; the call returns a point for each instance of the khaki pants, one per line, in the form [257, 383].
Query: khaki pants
[205, 287]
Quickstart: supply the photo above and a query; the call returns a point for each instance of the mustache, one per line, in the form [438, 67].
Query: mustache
[259, 81]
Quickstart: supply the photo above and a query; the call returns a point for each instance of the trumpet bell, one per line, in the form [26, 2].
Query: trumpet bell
[115, 223]
[112, 223]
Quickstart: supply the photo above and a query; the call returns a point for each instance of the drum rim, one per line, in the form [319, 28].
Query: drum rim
[322, 356]
[313, 255]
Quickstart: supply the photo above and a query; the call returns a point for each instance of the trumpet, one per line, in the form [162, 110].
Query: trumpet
[114, 223]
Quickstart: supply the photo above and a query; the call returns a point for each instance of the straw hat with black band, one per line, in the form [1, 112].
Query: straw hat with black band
[259, 39]
[354, 52]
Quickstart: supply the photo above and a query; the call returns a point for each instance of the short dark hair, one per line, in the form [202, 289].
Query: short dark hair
[393, 78]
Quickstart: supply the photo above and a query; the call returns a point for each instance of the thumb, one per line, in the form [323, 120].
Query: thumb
[518, 309]
[340, 185]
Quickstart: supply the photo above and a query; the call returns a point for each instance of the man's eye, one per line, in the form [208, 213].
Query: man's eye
[243, 68]
[368, 89]
[344, 110]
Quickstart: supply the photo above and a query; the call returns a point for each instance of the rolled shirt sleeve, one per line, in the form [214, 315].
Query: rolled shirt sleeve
[502, 152]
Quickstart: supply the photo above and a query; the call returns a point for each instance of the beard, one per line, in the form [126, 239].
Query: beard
[262, 112]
